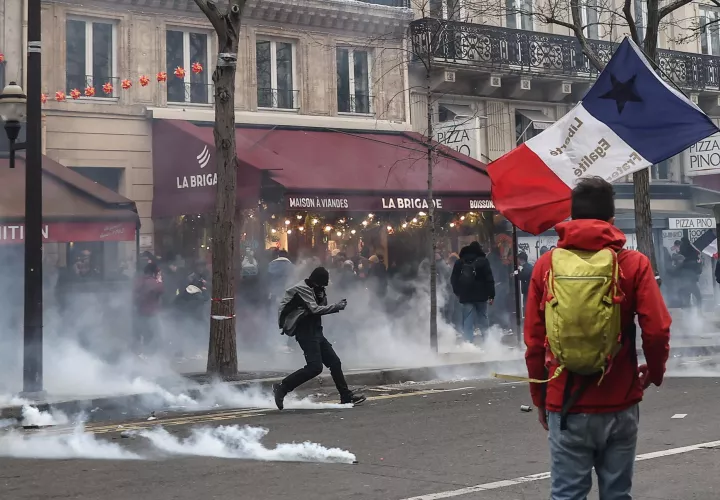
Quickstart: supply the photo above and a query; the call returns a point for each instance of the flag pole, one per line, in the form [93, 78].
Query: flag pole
[516, 279]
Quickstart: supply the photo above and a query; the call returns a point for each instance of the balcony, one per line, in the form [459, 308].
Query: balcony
[492, 48]
[182, 92]
[356, 103]
[278, 99]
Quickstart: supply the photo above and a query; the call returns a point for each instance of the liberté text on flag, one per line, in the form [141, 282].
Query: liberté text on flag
[630, 119]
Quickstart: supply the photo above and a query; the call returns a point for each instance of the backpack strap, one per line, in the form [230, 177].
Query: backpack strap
[570, 397]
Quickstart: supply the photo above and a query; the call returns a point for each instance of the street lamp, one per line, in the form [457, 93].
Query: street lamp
[14, 108]
[13, 105]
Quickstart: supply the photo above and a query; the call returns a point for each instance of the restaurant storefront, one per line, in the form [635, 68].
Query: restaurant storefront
[315, 192]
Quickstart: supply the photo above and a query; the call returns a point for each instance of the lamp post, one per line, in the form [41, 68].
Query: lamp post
[13, 103]
[12, 111]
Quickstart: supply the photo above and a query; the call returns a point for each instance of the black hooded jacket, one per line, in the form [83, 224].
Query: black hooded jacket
[482, 288]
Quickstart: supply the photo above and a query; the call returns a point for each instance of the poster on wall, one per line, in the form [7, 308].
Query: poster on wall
[703, 158]
[535, 246]
[461, 135]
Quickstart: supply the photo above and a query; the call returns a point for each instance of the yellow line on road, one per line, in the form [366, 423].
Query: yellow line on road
[234, 414]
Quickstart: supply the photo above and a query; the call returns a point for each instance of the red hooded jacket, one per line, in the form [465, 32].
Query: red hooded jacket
[620, 388]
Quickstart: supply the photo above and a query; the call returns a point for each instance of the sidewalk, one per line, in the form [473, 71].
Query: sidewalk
[451, 366]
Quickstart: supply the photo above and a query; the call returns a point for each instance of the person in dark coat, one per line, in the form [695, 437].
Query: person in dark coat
[300, 315]
[377, 277]
[690, 270]
[473, 283]
[525, 270]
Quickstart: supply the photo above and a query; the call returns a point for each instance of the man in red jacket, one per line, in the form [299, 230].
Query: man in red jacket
[602, 424]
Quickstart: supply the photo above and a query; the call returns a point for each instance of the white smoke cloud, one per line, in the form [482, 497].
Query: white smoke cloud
[33, 417]
[223, 442]
[50, 445]
[241, 443]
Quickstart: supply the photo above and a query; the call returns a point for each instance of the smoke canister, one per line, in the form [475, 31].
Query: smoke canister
[526, 408]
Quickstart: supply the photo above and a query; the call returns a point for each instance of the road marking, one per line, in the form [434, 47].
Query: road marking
[546, 475]
[230, 414]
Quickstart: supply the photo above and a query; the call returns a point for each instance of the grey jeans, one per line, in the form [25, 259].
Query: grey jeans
[605, 441]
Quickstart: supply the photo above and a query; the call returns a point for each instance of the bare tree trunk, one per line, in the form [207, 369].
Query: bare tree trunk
[222, 351]
[641, 179]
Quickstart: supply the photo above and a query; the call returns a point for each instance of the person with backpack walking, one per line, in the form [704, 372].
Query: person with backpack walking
[472, 281]
[300, 315]
[581, 347]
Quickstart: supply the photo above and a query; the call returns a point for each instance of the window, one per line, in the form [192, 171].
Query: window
[641, 15]
[589, 12]
[182, 49]
[90, 48]
[447, 9]
[710, 34]
[275, 64]
[353, 81]
[519, 14]
[661, 171]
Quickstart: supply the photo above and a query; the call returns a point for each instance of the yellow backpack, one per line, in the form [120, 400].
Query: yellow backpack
[582, 310]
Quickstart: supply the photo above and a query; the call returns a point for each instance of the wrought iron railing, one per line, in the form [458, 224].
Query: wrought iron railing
[96, 86]
[180, 91]
[389, 3]
[359, 102]
[495, 48]
[278, 98]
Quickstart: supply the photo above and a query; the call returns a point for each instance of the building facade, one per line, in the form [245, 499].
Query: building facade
[498, 76]
[311, 63]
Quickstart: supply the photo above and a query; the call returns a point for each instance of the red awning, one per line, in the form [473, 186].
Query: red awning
[75, 208]
[322, 169]
[184, 171]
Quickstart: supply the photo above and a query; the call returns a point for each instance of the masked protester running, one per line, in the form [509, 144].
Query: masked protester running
[300, 315]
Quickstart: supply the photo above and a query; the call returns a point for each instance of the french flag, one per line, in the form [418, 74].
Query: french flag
[630, 119]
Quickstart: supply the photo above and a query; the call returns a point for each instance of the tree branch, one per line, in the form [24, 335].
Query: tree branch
[673, 6]
[627, 11]
[212, 13]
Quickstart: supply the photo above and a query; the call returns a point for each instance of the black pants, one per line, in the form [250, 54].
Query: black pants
[318, 352]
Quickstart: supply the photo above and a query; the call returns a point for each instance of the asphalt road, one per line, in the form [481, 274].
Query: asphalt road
[424, 442]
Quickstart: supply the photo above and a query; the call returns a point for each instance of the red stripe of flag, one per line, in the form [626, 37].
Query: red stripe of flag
[527, 192]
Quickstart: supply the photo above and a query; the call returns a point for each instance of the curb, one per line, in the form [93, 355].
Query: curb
[359, 378]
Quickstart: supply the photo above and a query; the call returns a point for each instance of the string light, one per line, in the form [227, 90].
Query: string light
[273, 230]
[299, 217]
[452, 224]
[287, 222]
[314, 221]
[462, 218]
[414, 221]
[404, 224]
[328, 229]
[342, 221]
[339, 233]
[370, 216]
[353, 232]
[272, 216]
[289, 231]
[389, 228]
[364, 223]
[421, 214]
[301, 229]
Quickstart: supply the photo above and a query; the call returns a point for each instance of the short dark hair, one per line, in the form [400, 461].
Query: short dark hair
[522, 256]
[283, 253]
[593, 198]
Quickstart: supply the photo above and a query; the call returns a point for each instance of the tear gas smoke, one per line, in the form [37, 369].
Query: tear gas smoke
[50, 445]
[32, 417]
[233, 441]
[88, 335]
[241, 442]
